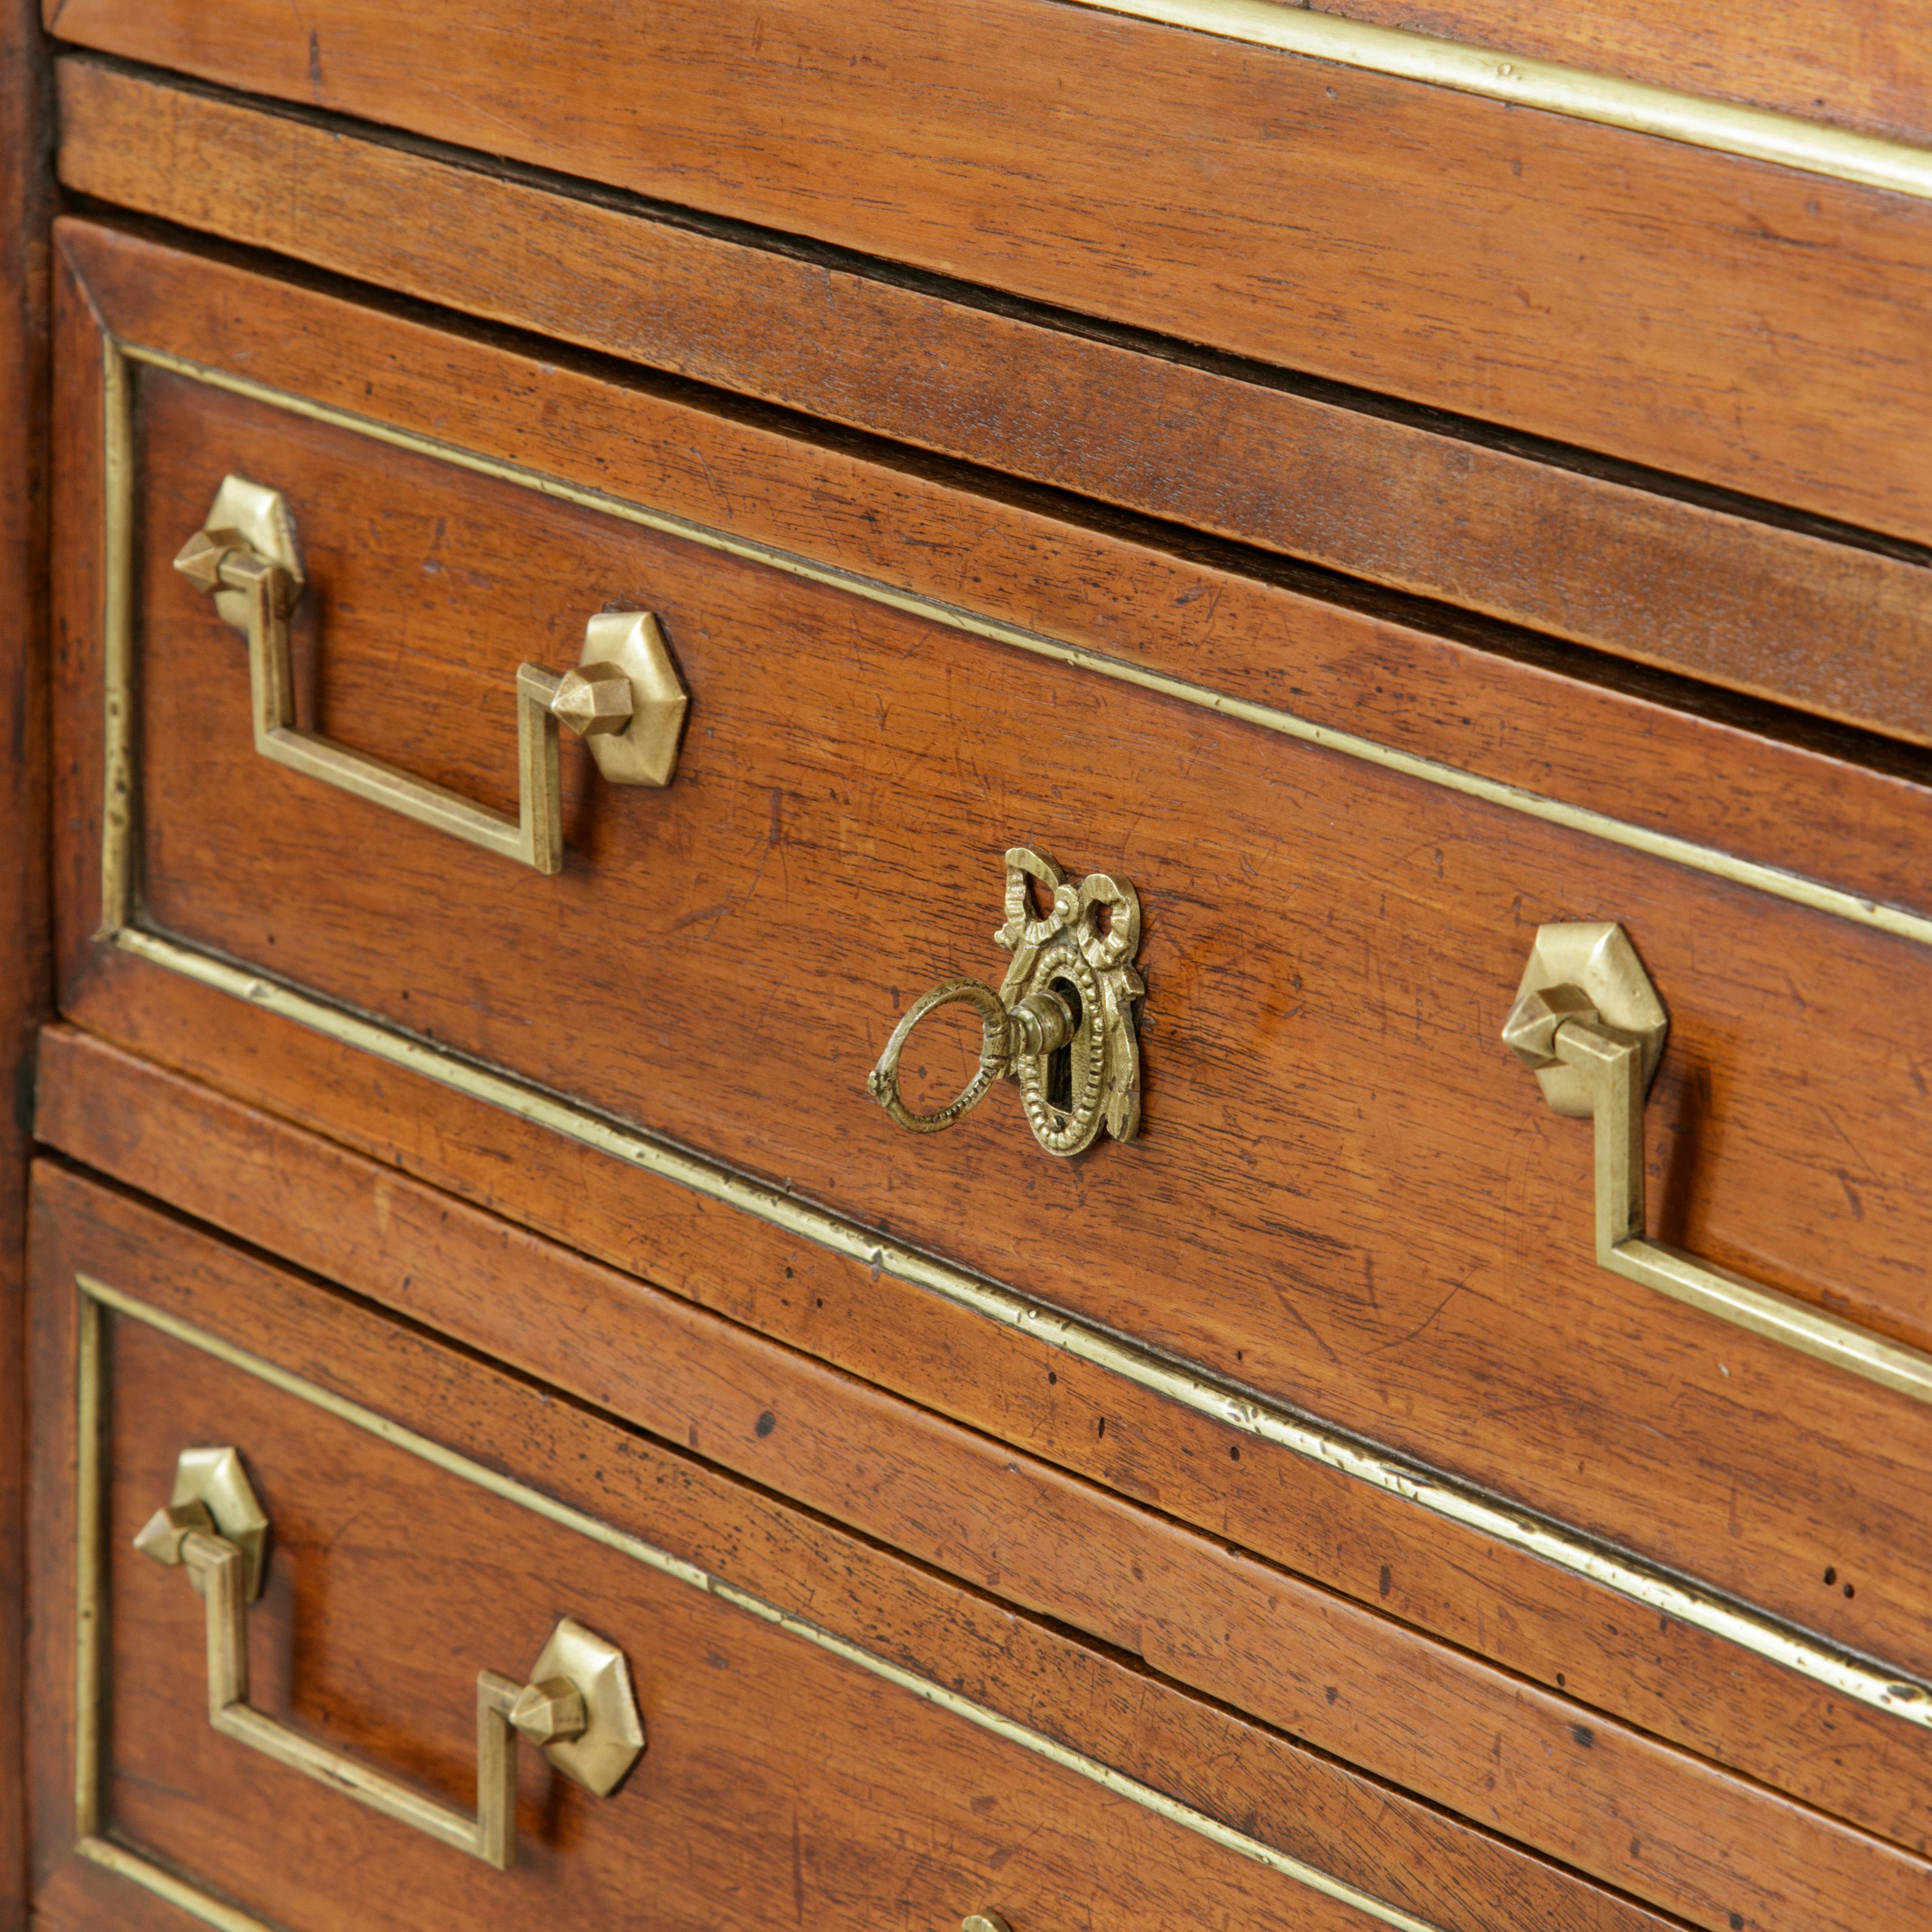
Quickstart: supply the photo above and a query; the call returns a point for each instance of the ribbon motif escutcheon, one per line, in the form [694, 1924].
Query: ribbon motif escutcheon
[1062, 1023]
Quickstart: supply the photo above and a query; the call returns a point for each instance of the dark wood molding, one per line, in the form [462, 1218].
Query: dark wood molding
[25, 970]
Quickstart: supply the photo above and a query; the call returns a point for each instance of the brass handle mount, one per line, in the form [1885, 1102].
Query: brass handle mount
[623, 696]
[577, 1705]
[1062, 1024]
[1590, 1023]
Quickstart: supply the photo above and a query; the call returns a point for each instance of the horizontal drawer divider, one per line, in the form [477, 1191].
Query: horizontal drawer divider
[1657, 1590]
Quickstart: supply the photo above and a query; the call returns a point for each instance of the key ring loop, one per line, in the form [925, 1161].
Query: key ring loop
[883, 1081]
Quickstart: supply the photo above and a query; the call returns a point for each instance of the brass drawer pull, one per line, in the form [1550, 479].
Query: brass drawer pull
[1062, 1022]
[578, 1706]
[1588, 1021]
[623, 696]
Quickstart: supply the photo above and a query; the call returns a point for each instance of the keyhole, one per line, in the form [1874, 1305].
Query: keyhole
[1060, 1061]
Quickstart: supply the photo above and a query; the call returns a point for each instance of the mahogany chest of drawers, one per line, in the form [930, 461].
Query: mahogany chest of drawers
[972, 967]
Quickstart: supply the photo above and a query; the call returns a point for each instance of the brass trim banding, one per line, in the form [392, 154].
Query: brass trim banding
[118, 644]
[96, 1294]
[1753, 134]
[164, 1884]
[1685, 1600]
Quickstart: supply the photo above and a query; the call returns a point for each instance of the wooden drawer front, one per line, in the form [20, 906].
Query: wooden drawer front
[1347, 1197]
[1762, 331]
[829, 1730]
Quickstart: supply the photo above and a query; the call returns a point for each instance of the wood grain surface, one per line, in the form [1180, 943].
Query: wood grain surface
[1414, 503]
[26, 975]
[1543, 1769]
[1853, 63]
[1422, 682]
[82, 1897]
[780, 1782]
[1749, 326]
[1347, 1196]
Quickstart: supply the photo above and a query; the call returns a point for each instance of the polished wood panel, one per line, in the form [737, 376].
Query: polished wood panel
[1214, 1618]
[1409, 503]
[1331, 947]
[26, 976]
[1418, 682]
[778, 1783]
[1766, 331]
[1857, 64]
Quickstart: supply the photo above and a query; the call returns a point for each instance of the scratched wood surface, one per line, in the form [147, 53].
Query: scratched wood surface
[780, 1782]
[1859, 64]
[1546, 1770]
[1411, 501]
[1750, 326]
[1347, 1196]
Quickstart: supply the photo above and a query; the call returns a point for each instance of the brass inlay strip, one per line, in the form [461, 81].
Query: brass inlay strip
[117, 844]
[90, 1584]
[184, 1897]
[494, 1483]
[1190, 1387]
[1754, 133]
[1773, 880]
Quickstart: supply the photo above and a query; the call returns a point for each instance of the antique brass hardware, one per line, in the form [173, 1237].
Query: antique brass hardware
[1589, 1022]
[988, 1921]
[212, 1494]
[578, 1706]
[1062, 1022]
[623, 696]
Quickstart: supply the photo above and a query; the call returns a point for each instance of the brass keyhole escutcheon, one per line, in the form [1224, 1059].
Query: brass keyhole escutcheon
[1062, 1023]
